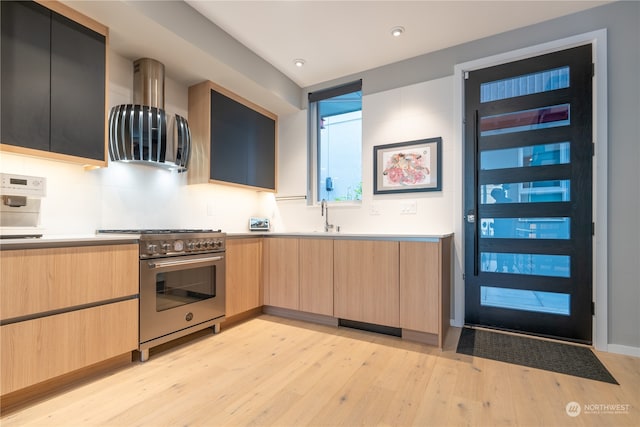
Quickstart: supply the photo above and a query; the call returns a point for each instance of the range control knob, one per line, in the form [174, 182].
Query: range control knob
[166, 247]
[151, 248]
[191, 246]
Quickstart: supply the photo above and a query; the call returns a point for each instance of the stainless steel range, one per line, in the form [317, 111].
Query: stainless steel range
[182, 283]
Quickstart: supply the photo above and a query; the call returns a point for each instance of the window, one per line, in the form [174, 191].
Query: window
[335, 141]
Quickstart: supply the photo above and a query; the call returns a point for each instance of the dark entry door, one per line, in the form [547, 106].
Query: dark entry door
[528, 200]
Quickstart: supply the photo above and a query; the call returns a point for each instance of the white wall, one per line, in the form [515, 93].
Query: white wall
[409, 113]
[128, 195]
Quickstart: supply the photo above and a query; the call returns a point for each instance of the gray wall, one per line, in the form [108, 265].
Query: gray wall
[622, 21]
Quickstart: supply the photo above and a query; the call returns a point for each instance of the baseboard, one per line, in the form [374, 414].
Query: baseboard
[421, 337]
[237, 319]
[623, 349]
[300, 315]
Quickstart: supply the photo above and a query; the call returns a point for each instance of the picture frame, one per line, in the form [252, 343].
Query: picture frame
[408, 167]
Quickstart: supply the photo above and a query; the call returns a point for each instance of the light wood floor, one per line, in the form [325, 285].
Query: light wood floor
[274, 371]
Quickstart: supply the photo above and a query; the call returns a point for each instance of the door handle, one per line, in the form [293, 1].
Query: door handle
[471, 219]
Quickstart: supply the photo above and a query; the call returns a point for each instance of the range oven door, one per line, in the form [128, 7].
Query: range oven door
[181, 292]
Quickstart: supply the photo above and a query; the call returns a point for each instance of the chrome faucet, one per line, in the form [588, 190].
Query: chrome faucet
[325, 213]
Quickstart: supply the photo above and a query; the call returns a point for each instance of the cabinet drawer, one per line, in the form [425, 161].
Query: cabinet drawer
[42, 280]
[37, 350]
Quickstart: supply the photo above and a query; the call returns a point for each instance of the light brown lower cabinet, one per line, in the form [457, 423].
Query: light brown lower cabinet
[366, 281]
[280, 263]
[401, 284]
[40, 349]
[64, 309]
[243, 275]
[425, 280]
[316, 276]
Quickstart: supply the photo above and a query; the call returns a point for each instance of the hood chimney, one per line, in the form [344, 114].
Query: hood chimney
[148, 83]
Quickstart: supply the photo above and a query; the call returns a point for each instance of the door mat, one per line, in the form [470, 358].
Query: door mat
[534, 353]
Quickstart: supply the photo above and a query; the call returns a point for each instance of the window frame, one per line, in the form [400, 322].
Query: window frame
[313, 137]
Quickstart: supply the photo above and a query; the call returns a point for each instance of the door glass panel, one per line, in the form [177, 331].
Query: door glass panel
[525, 228]
[181, 287]
[525, 192]
[533, 155]
[527, 264]
[519, 299]
[526, 120]
[543, 81]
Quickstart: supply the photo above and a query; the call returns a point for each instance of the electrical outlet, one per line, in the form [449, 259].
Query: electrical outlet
[373, 209]
[409, 207]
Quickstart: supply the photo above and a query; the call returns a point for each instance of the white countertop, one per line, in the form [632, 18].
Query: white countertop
[57, 240]
[49, 241]
[346, 236]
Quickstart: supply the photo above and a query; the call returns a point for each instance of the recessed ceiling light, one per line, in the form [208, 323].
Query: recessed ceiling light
[298, 62]
[397, 31]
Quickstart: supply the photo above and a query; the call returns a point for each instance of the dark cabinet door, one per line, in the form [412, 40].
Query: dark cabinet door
[243, 144]
[77, 89]
[25, 105]
[229, 140]
[261, 168]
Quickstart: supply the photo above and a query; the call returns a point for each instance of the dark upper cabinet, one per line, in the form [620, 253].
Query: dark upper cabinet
[77, 89]
[229, 140]
[262, 146]
[25, 107]
[53, 84]
[234, 140]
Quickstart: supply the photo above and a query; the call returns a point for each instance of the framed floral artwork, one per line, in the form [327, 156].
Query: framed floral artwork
[407, 167]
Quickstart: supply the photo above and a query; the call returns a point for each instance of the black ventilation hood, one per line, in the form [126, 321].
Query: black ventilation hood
[138, 131]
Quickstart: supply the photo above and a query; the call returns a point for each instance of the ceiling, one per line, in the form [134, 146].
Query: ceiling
[338, 38]
[249, 47]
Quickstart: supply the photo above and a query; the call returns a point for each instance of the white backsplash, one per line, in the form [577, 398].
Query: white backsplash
[131, 196]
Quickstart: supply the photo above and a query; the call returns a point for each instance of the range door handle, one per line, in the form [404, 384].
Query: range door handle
[171, 263]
